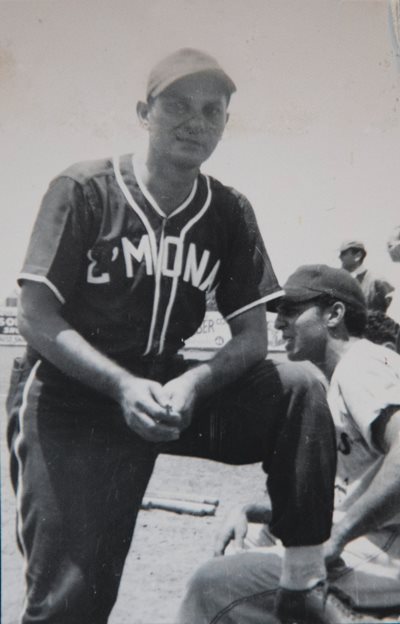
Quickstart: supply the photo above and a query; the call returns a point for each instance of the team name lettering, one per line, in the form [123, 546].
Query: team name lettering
[142, 251]
[195, 269]
[93, 276]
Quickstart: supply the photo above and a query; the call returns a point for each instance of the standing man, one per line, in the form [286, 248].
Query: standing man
[377, 291]
[115, 279]
[322, 317]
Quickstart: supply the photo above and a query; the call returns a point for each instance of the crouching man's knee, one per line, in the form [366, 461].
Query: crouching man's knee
[205, 593]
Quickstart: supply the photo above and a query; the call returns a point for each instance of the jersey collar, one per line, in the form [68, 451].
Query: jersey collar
[137, 173]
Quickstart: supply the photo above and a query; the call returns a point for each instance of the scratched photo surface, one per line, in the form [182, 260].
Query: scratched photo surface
[312, 141]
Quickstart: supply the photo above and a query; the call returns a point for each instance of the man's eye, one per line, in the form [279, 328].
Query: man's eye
[213, 111]
[288, 312]
[175, 106]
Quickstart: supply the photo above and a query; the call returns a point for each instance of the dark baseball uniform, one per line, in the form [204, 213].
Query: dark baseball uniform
[133, 282]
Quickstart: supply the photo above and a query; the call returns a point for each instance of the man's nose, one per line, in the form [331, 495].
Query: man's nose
[196, 123]
[279, 321]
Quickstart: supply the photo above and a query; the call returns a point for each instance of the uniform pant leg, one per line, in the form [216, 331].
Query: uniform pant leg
[276, 413]
[79, 482]
[234, 589]
[240, 588]
[369, 575]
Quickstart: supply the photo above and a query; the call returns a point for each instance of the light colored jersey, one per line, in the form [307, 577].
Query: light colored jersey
[364, 383]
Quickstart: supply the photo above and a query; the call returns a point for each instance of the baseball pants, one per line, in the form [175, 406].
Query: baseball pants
[240, 588]
[80, 474]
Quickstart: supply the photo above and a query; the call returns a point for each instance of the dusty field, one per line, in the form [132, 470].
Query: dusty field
[167, 546]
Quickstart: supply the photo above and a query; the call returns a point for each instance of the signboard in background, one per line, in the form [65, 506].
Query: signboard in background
[214, 332]
[9, 334]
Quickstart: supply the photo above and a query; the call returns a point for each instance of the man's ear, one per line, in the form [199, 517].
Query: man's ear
[335, 314]
[142, 111]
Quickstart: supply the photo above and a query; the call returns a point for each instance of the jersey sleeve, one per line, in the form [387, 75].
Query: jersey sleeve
[247, 276]
[380, 291]
[368, 386]
[58, 239]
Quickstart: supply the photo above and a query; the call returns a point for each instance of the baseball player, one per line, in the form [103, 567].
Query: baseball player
[393, 247]
[322, 317]
[378, 291]
[121, 259]
[393, 244]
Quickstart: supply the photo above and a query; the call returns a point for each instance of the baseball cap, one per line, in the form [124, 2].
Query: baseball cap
[313, 280]
[352, 244]
[182, 63]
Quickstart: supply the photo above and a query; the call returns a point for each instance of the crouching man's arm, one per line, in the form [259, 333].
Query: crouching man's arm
[381, 501]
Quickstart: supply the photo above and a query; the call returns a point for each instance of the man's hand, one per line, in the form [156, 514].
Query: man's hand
[333, 548]
[234, 528]
[180, 395]
[145, 412]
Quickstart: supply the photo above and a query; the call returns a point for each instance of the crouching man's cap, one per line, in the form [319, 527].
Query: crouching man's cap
[314, 280]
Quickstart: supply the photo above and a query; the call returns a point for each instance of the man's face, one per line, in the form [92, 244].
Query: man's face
[393, 246]
[304, 330]
[350, 259]
[187, 120]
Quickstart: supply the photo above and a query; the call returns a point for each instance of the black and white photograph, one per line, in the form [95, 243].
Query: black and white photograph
[200, 311]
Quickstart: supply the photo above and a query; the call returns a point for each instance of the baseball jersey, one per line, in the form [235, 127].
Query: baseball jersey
[132, 279]
[364, 383]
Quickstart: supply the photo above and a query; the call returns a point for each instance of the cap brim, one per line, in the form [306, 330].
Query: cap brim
[227, 82]
[292, 295]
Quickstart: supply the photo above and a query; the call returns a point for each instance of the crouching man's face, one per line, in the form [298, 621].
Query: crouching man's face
[304, 329]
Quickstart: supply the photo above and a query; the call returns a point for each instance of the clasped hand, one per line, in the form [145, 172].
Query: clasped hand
[157, 413]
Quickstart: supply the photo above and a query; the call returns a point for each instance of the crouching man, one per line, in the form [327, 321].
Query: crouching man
[322, 316]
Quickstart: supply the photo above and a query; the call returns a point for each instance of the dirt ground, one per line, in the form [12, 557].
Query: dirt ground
[167, 547]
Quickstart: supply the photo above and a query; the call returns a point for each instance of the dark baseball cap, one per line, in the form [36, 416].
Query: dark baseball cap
[352, 244]
[185, 62]
[311, 281]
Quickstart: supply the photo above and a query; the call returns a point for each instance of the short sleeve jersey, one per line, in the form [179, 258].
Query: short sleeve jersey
[365, 382]
[132, 279]
[375, 289]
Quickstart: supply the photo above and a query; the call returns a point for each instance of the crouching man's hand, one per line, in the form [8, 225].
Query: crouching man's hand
[233, 529]
[333, 548]
[236, 525]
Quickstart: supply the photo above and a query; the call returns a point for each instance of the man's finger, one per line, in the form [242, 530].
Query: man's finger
[162, 414]
[170, 416]
[221, 543]
[163, 433]
[240, 540]
[151, 429]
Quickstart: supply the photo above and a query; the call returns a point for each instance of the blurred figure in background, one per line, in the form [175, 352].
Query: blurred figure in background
[393, 244]
[377, 290]
[382, 329]
[393, 247]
